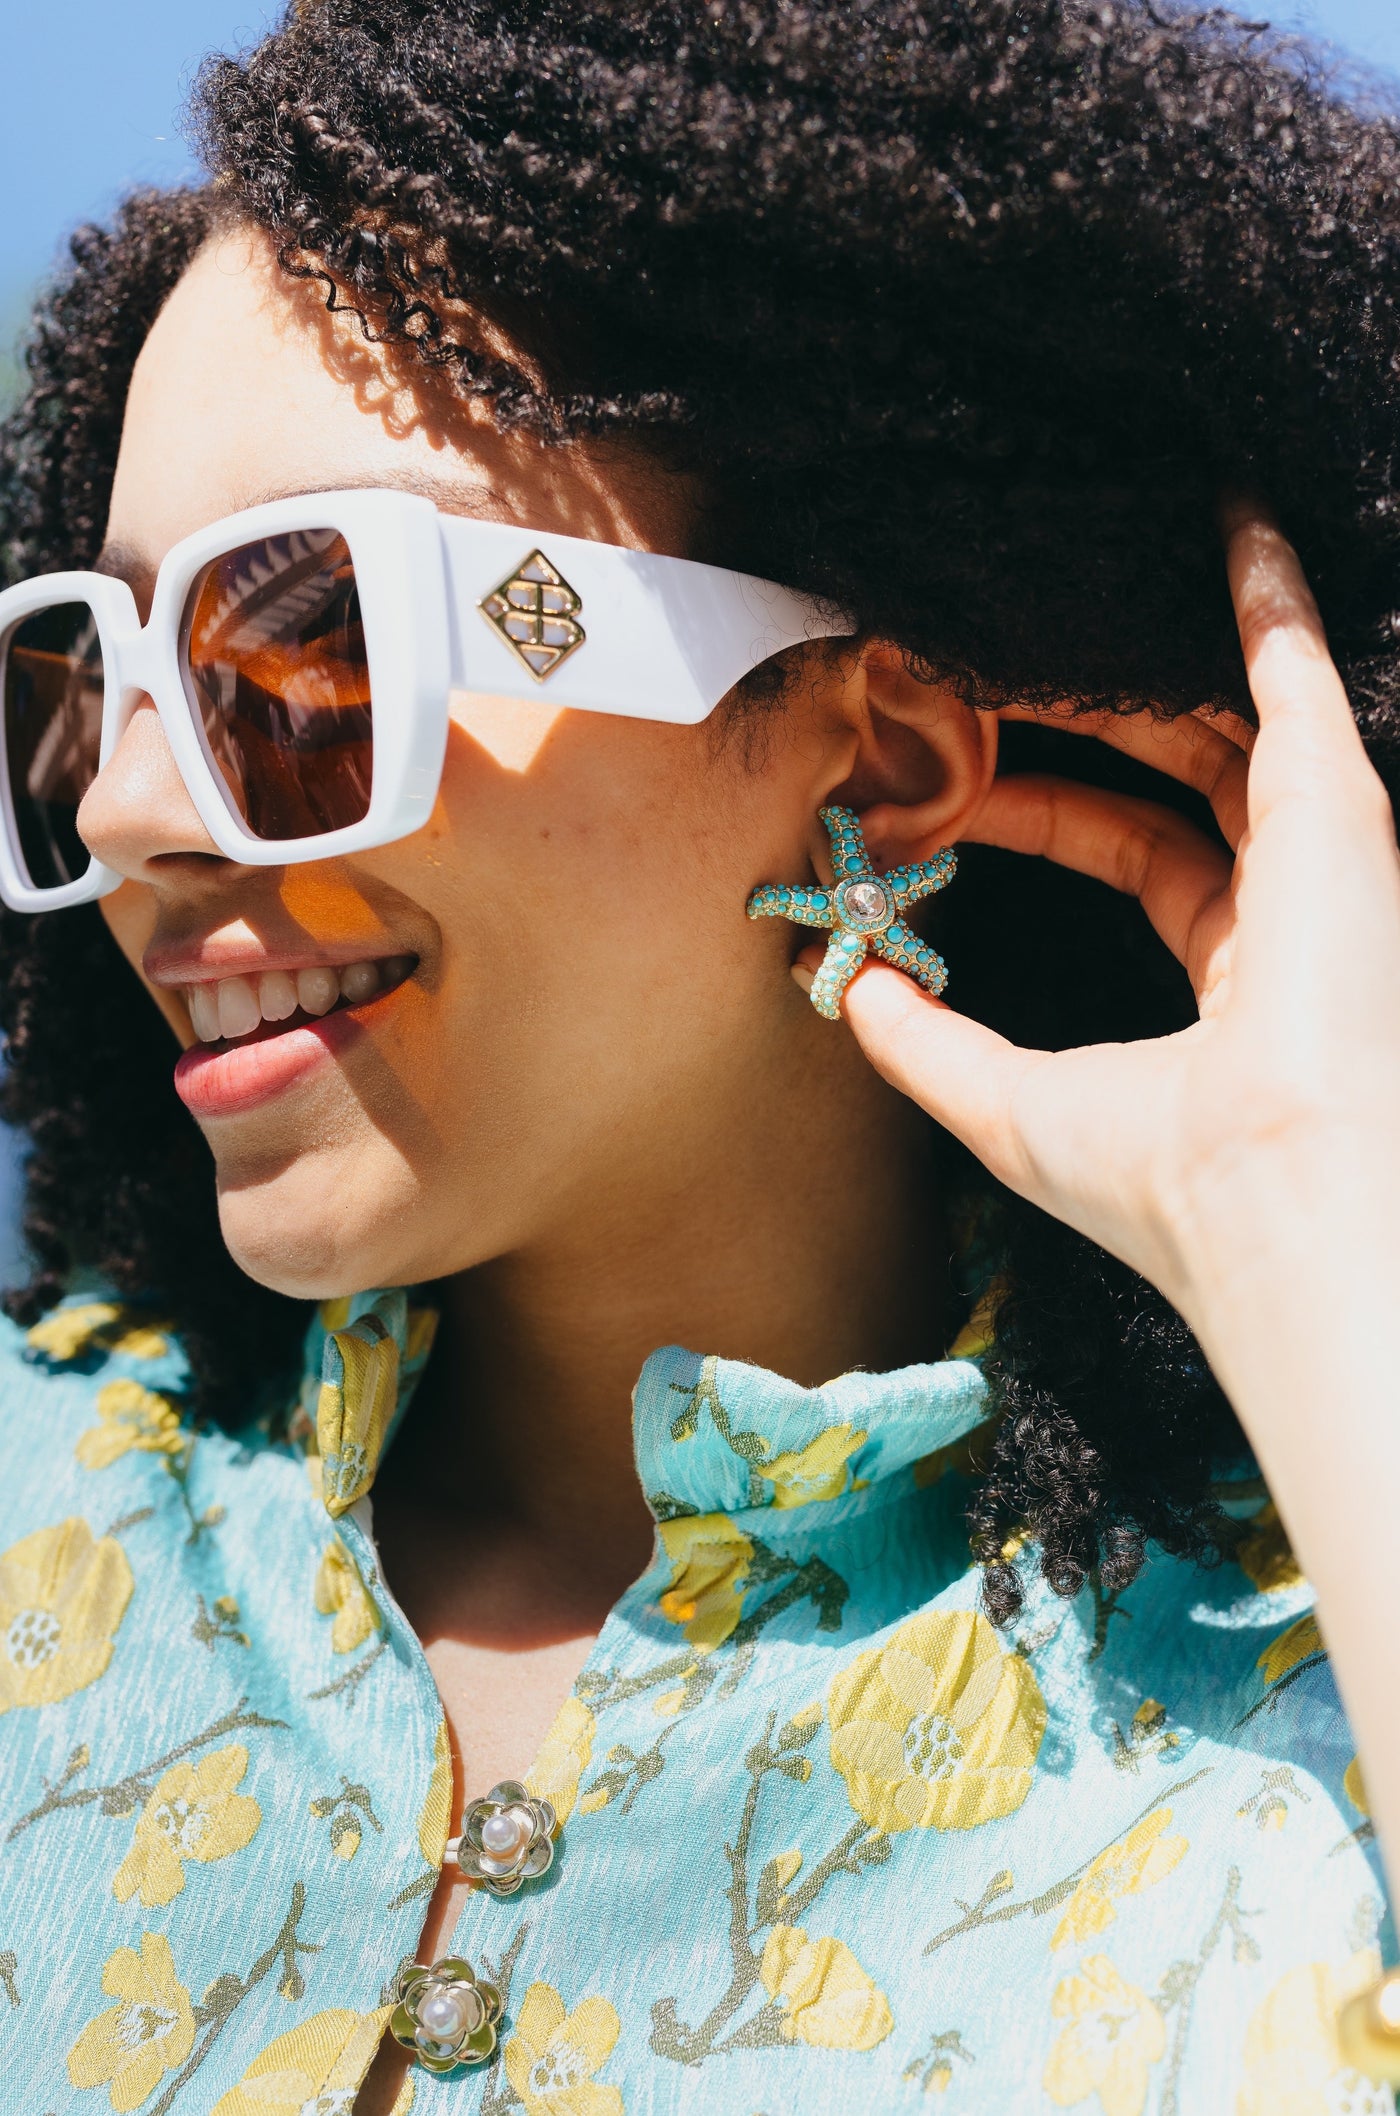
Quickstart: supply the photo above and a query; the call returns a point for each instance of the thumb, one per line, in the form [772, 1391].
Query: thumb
[964, 1075]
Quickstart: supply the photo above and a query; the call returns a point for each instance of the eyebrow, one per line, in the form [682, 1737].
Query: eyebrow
[124, 562]
[454, 495]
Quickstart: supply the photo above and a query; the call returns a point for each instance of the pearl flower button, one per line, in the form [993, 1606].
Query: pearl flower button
[443, 2013]
[507, 1839]
[503, 1834]
[444, 2016]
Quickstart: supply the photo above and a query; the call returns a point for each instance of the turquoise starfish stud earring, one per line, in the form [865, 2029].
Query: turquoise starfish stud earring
[861, 911]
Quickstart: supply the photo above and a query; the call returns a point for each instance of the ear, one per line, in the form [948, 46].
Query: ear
[923, 759]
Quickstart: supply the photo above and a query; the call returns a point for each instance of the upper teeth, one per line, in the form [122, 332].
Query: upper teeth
[233, 1006]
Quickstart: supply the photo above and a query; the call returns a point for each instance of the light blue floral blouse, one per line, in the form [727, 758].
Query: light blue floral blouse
[829, 1841]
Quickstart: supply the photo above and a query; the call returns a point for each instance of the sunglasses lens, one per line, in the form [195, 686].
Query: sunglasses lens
[53, 734]
[273, 653]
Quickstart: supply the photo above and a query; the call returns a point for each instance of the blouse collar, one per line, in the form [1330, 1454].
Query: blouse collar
[711, 1435]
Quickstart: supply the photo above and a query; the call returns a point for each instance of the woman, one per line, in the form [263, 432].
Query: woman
[999, 338]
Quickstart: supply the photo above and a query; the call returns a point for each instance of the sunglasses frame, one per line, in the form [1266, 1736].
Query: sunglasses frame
[662, 639]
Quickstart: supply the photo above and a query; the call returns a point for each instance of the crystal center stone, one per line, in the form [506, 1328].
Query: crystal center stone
[866, 902]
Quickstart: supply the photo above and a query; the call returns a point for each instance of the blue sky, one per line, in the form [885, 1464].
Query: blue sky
[95, 90]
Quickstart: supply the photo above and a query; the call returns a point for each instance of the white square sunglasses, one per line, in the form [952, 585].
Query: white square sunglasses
[301, 655]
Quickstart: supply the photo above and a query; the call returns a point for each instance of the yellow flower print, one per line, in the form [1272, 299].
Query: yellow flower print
[563, 1757]
[149, 2032]
[817, 1471]
[352, 1416]
[937, 1729]
[1293, 2064]
[1143, 1857]
[1265, 1555]
[62, 1595]
[1290, 1647]
[978, 1333]
[437, 1803]
[1114, 2037]
[552, 2056]
[313, 2070]
[1354, 1786]
[193, 1813]
[775, 1881]
[1148, 1735]
[710, 1559]
[140, 1341]
[131, 1417]
[340, 1592]
[68, 1332]
[830, 2001]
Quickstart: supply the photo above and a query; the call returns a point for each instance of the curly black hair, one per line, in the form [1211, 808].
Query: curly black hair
[962, 313]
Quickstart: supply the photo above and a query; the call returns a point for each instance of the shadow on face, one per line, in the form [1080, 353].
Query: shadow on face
[584, 996]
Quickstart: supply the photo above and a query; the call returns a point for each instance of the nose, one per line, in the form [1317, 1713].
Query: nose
[137, 816]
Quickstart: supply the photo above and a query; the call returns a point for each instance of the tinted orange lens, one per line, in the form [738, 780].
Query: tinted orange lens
[53, 733]
[273, 654]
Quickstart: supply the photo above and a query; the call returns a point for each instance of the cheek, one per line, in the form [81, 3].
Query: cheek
[597, 961]
[129, 914]
[569, 835]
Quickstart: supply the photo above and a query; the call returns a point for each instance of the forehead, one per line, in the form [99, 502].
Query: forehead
[247, 388]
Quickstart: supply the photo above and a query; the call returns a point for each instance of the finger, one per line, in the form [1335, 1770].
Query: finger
[1178, 876]
[1069, 720]
[1243, 733]
[1291, 672]
[1315, 801]
[1194, 751]
[964, 1075]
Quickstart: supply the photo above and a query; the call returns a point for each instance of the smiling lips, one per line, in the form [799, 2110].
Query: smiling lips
[258, 1035]
[230, 1007]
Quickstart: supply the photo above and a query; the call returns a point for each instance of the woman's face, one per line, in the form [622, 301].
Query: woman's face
[583, 991]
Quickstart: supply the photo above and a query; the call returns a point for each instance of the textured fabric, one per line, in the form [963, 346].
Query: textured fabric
[830, 1842]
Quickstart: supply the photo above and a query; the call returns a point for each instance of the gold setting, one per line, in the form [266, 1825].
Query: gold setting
[507, 1839]
[861, 910]
[444, 2015]
[536, 613]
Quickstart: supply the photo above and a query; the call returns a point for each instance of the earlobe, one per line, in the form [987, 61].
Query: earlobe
[924, 762]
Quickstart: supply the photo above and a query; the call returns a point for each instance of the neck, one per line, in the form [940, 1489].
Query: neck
[796, 1233]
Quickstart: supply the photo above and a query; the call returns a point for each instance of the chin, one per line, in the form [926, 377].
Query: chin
[311, 1237]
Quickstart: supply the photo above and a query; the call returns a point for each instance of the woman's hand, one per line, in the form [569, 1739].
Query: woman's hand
[1250, 1165]
[1271, 1120]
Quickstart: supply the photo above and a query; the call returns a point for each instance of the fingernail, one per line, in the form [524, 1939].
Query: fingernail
[802, 976]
